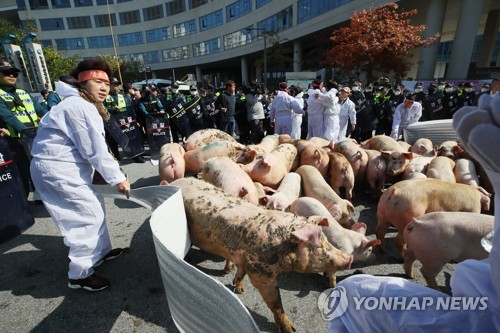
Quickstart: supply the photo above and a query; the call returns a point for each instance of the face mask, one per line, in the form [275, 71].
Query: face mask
[418, 89]
[368, 90]
[397, 92]
[448, 90]
[355, 89]
[468, 89]
[175, 91]
[194, 92]
[440, 87]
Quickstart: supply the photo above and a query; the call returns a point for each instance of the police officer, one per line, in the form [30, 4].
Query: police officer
[468, 95]
[419, 92]
[19, 113]
[193, 109]
[432, 105]
[43, 103]
[383, 110]
[179, 123]
[450, 101]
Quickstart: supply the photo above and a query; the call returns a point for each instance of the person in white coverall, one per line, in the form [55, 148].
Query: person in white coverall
[297, 93]
[406, 113]
[282, 110]
[67, 150]
[473, 282]
[347, 112]
[315, 110]
[331, 112]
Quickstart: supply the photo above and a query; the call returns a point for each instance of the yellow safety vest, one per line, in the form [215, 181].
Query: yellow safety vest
[25, 113]
[121, 106]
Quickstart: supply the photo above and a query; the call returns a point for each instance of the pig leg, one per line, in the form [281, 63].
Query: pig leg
[380, 231]
[229, 266]
[429, 272]
[238, 280]
[268, 289]
[401, 245]
[409, 259]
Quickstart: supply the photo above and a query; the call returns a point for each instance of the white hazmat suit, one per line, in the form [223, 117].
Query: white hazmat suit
[67, 150]
[331, 114]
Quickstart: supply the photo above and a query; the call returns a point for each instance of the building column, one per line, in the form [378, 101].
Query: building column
[489, 39]
[428, 55]
[199, 76]
[297, 56]
[244, 70]
[465, 35]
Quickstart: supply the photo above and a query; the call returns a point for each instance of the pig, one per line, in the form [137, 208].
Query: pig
[315, 186]
[224, 173]
[417, 167]
[195, 159]
[287, 192]
[350, 241]
[408, 199]
[396, 161]
[272, 168]
[320, 141]
[356, 156]
[172, 165]
[262, 243]
[315, 156]
[441, 167]
[376, 172]
[340, 174]
[424, 147]
[382, 142]
[437, 238]
[465, 172]
[205, 137]
[405, 145]
[450, 149]
[285, 138]
[267, 145]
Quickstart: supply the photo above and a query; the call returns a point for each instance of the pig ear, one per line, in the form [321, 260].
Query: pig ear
[371, 243]
[277, 203]
[331, 145]
[264, 200]
[309, 234]
[457, 150]
[317, 154]
[349, 205]
[322, 221]
[385, 153]
[251, 153]
[359, 227]
[408, 155]
[268, 162]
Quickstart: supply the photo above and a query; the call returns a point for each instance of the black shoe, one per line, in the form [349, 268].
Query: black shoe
[115, 253]
[90, 283]
[139, 159]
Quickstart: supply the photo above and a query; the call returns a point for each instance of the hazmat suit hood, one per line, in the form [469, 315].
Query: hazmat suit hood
[66, 90]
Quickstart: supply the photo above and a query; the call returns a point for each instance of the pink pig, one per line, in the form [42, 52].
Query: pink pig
[172, 165]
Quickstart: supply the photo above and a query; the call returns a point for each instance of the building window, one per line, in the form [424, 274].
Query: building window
[158, 35]
[184, 29]
[83, 3]
[120, 1]
[211, 20]
[38, 4]
[308, 9]
[177, 53]
[278, 22]
[21, 5]
[98, 42]
[260, 3]
[152, 13]
[130, 17]
[197, 3]
[134, 38]
[51, 24]
[104, 3]
[78, 22]
[238, 38]
[238, 9]
[152, 57]
[61, 4]
[103, 20]
[70, 44]
[46, 42]
[206, 47]
[175, 7]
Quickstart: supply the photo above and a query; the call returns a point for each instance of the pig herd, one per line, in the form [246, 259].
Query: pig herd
[285, 205]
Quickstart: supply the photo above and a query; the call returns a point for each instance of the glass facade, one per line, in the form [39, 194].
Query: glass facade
[278, 22]
[46, 42]
[152, 13]
[103, 2]
[238, 38]
[184, 29]
[197, 3]
[21, 5]
[211, 20]
[83, 3]
[79, 22]
[134, 38]
[206, 47]
[38, 4]
[131, 17]
[158, 35]
[70, 44]
[260, 3]
[308, 9]
[146, 57]
[176, 53]
[238, 9]
[51, 24]
[97, 42]
[103, 20]
[175, 7]
[61, 4]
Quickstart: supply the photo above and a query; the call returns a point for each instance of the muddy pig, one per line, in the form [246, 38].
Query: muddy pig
[287, 192]
[376, 172]
[340, 174]
[172, 165]
[424, 147]
[441, 167]
[262, 243]
[315, 186]
[315, 156]
[408, 199]
[227, 175]
[205, 137]
[267, 145]
[437, 238]
[350, 241]
[195, 159]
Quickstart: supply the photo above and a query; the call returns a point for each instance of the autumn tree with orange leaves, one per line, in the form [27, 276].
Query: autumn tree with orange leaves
[377, 41]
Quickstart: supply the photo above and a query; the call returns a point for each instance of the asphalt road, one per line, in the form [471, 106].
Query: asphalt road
[34, 296]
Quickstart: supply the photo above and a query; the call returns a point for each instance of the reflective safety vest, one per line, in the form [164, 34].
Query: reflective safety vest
[24, 112]
[110, 103]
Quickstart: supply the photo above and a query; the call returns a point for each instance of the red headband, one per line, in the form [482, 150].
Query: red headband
[93, 74]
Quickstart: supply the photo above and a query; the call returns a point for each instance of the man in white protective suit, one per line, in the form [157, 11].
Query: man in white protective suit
[331, 112]
[315, 110]
[473, 282]
[67, 150]
[282, 110]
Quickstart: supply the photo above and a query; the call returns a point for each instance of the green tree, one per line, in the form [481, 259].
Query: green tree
[58, 63]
